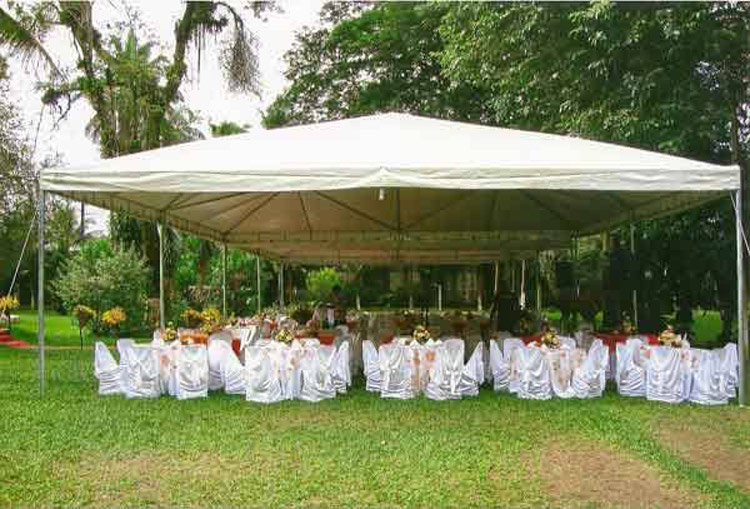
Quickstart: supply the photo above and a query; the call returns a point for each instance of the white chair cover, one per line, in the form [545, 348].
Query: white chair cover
[709, 386]
[560, 361]
[192, 372]
[157, 339]
[263, 381]
[729, 368]
[568, 342]
[589, 380]
[106, 370]
[453, 367]
[396, 371]
[371, 366]
[472, 374]
[122, 346]
[292, 372]
[142, 380]
[342, 377]
[630, 375]
[665, 375]
[512, 355]
[317, 383]
[215, 359]
[233, 374]
[435, 372]
[535, 379]
[499, 367]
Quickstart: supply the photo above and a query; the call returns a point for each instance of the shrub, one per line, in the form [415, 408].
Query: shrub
[102, 277]
[320, 283]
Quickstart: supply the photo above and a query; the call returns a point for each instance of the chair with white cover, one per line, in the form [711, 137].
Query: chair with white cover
[122, 346]
[192, 372]
[708, 386]
[233, 372]
[535, 379]
[292, 370]
[453, 367]
[472, 374]
[317, 383]
[665, 375]
[729, 368]
[568, 342]
[630, 372]
[560, 364]
[511, 353]
[396, 369]
[142, 368]
[106, 370]
[499, 367]
[589, 379]
[341, 373]
[371, 366]
[263, 383]
[215, 358]
[435, 388]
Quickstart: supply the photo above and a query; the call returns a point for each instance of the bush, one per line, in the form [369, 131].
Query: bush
[102, 276]
[320, 283]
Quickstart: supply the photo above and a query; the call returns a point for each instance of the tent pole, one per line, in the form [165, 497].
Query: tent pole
[539, 286]
[522, 293]
[257, 272]
[281, 286]
[497, 277]
[224, 279]
[635, 289]
[40, 295]
[162, 318]
[742, 346]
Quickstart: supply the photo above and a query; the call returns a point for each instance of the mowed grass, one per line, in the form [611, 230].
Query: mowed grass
[75, 448]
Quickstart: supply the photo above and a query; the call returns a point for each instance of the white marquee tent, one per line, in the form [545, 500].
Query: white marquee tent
[396, 188]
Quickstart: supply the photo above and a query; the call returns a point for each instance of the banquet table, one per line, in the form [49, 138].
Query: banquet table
[611, 339]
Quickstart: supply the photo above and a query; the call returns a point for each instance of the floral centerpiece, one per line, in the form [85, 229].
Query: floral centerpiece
[113, 318]
[191, 318]
[170, 333]
[83, 315]
[627, 325]
[668, 337]
[549, 338]
[524, 326]
[211, 321]
[284, 335]
[421, 334]
[8, 304]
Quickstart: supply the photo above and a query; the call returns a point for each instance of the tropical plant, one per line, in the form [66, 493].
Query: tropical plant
[113, 320]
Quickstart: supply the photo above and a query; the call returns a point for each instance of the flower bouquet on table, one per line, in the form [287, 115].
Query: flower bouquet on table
[668, 337]
[113, 319]
[549, 338]
[626, 326]
[421, 335]
[284, 335]
[169, 334]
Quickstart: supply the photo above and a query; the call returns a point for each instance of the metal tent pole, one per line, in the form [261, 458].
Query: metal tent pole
[257, 272]
[635, 289]
[224, 279]
[539, 286]
[40, 296]
[281, 285]
[162, 320]
[742, 346]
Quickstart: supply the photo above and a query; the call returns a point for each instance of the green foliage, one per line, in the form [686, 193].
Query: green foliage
[320, 283]
[102, 276]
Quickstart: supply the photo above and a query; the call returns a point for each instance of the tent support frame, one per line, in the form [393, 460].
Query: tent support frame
[162, 232]
[40, 297]
[742, 346]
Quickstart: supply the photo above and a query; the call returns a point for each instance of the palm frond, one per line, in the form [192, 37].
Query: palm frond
[23, 44]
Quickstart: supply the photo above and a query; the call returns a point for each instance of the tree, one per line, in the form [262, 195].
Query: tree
[227, 128]
[368, 59]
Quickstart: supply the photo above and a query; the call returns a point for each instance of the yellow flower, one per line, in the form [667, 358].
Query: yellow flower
[114, 317]
[8, 303]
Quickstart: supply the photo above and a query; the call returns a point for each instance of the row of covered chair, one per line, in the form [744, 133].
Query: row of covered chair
[533, 372]
[401, 370]
[673, 375]
[272, 372]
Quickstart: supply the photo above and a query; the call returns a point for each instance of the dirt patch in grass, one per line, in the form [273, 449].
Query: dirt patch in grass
[585, 473]
[710, 449]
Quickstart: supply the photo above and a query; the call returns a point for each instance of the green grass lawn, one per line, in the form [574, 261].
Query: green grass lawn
[73, 447]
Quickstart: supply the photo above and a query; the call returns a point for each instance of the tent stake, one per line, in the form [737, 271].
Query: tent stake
[40, 298]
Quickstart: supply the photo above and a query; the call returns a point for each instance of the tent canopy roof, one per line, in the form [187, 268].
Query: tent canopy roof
[394, 188]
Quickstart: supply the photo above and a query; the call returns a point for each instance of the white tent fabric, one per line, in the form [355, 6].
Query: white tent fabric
[392, 188]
